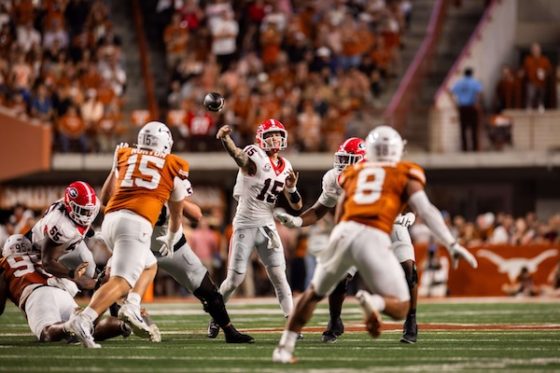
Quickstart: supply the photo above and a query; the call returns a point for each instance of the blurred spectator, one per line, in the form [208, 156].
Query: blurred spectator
[224, 29]
[72, 129]
[508, 91]
[309, 128]
[41, 104]
[176, 37]
[22, 219]
[537, 69]
[205, 243]
[499, 130]
[467, 92]
[107, 128]
[503, 231]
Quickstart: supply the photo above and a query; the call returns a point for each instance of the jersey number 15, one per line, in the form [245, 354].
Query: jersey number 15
[143, 162]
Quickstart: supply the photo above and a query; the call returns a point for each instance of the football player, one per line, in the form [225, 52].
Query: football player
[59, 234]
[352, 151]
[186, 268]
[374, 192]
[148, 176]
[262, 176]
[46, 301]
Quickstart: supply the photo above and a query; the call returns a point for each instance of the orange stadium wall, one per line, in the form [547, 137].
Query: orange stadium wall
[494, 264]
[26, 147]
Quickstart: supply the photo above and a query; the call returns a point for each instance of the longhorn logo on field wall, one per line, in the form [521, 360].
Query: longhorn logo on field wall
[512, 266]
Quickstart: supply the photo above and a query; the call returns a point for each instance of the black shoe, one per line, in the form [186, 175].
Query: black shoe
[300, 336]
[335, 328]
[213, 329]
[328, 337]
[410, 331]
[234, 336]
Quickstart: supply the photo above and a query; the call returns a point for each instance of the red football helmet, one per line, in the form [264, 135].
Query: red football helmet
[81, 202]
[351, 151]
[267, 143]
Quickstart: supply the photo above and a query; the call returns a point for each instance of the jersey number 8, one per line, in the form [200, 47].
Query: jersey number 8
[369, 185]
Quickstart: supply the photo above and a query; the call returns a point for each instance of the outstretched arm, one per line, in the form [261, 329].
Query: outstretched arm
[420, 204]
[238, 155]
[308, 217]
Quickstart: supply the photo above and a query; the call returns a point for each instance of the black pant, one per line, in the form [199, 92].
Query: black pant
[468, 116]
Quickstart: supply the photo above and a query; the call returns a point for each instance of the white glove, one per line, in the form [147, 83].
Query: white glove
[287, 220]
[64, 284]
[115, 156]
[457, 252]
[168, 241]
[405, 220]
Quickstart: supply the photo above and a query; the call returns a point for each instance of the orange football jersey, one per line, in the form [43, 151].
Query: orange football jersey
[374, 192]
[19, 272]
[145, 182]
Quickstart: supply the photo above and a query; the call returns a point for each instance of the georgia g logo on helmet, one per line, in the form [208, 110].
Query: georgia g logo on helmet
[81, 203]
[264, 139]
[351, 151]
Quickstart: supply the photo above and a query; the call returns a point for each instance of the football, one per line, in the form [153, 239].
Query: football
[213, 101]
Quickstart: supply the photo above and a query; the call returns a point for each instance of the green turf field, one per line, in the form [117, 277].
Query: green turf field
[485, 341]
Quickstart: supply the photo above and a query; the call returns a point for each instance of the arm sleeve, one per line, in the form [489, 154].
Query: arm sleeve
[421, 205]
[255, 155]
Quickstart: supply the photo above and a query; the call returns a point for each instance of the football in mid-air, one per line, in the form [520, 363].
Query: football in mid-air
[213, 101]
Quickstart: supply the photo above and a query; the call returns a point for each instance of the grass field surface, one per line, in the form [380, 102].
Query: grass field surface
[455, 335]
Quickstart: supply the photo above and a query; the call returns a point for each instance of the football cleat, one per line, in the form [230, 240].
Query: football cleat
[283, 356]
[334, 330]
[373, 317]
[132, 316]
[81, 328]
[410, 330]
[234, 336]
[213, 329]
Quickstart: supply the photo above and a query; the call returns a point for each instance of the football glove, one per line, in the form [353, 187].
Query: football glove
[288, 220]
[168, 241]
[115, 156]
[405, 220]
[457, 252]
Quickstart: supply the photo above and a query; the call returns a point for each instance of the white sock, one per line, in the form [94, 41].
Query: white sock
[134, 298]
[288, 340]
[90, 314]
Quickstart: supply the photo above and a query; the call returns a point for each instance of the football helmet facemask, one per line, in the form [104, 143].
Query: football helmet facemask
[81, 203]
[351, 151]
[267, 143]
[155, 136]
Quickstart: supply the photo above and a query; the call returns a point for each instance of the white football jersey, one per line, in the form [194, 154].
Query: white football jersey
[256, 194]
[57, 225]
[331, 189]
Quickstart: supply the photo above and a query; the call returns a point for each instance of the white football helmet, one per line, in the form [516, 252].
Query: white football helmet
[17, 244]
[155, 136]
[384, 144]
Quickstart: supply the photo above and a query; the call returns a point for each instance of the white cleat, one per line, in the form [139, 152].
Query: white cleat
[82, 329]
[373, 317]
[131, 315]
[283, 356]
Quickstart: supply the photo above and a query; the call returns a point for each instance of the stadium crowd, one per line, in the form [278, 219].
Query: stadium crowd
[318, 67]
[61, 64]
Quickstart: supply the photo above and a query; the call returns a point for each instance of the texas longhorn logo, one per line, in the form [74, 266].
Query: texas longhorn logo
[512, 266]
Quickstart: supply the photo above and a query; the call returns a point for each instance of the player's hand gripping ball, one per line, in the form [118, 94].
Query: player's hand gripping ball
[213, 101]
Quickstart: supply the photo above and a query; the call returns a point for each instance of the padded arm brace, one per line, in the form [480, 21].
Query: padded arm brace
[421, 205]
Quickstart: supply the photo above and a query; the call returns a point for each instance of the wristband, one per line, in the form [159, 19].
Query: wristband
[71, 273]
[295, 197]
